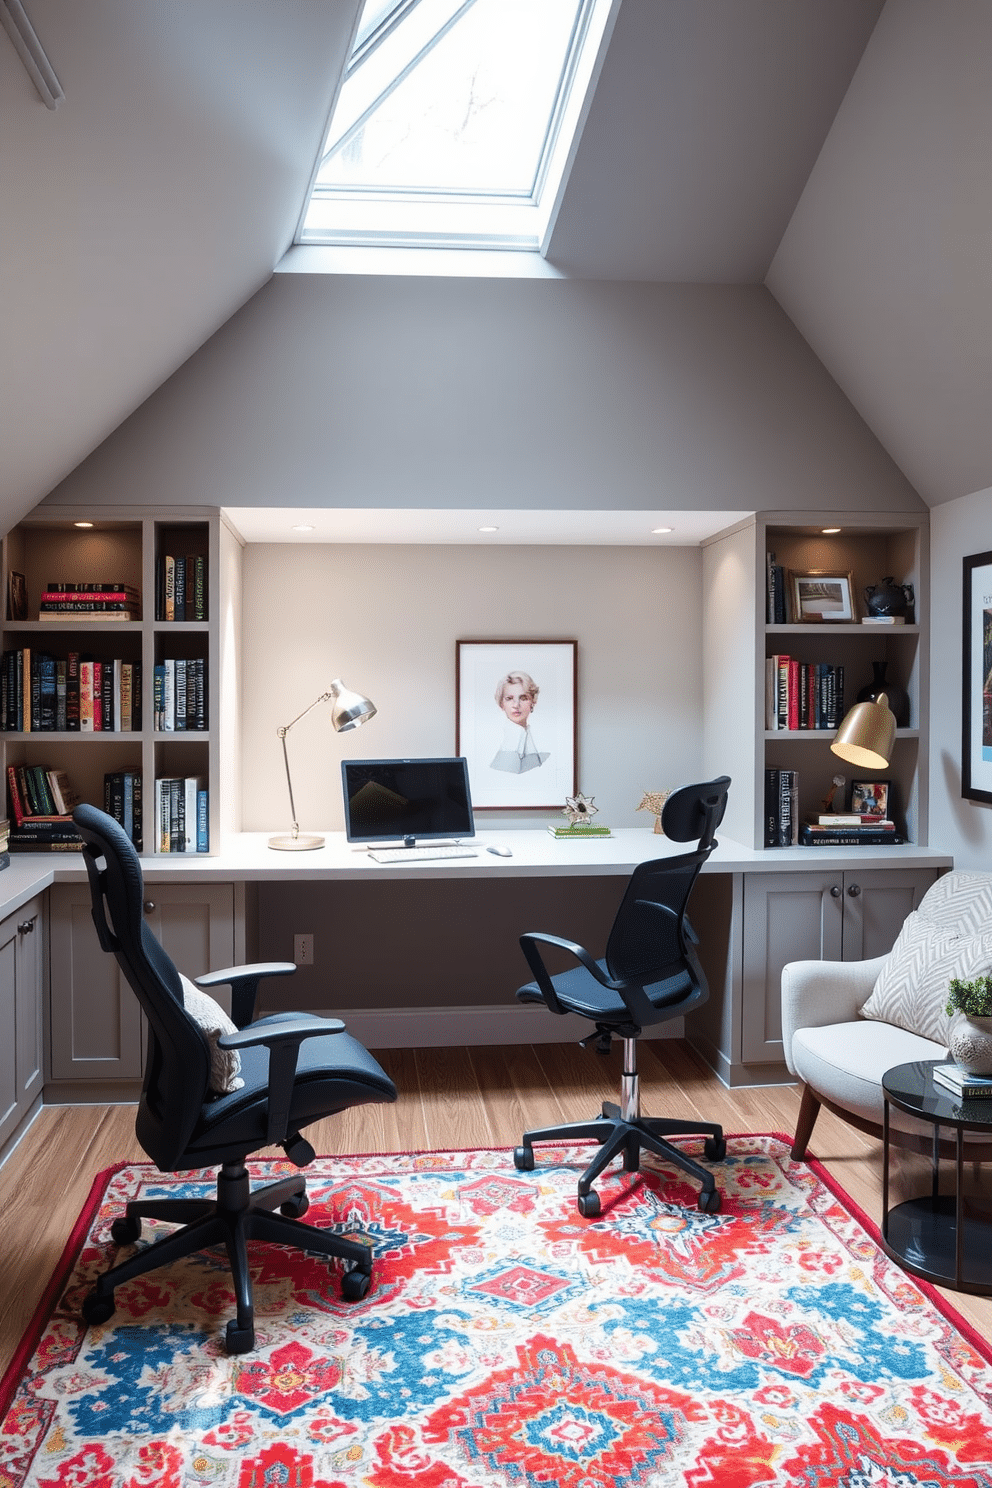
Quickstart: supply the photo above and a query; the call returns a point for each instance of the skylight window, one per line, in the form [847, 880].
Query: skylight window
[455, 122]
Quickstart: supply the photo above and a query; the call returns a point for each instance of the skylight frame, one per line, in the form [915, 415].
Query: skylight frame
[464, 218]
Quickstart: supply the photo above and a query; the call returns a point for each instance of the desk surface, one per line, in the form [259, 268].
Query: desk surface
[536, 854]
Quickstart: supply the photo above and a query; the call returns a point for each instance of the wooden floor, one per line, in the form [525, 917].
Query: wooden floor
[449, 1098]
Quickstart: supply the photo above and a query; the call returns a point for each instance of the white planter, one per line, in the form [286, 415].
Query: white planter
[971, 1044]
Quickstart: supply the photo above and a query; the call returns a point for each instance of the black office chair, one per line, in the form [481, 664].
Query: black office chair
[296, 1068]
[650, 973]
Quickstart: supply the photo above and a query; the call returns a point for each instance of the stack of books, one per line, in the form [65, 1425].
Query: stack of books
[181, 587]
[101, 600]
[959, 1082]
[179, 692]
[41, 801]
[582, 829]
[837, 829]
[781, 808]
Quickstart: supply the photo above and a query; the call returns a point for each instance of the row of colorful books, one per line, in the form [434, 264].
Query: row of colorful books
[41, 693]
[103, 601]
[181, 587]
[803, 695]
[34, 791]
[182, 814]
[180, 694]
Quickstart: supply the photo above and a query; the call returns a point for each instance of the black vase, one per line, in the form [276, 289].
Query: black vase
[896, 697]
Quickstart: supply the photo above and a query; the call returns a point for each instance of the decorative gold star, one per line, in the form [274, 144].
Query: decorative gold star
[579, 809]
[655, 801]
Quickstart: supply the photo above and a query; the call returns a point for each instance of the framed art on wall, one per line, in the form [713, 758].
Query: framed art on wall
[976, 674]
[515, 710]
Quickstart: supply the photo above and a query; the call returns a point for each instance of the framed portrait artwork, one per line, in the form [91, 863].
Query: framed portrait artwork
[821, 596]
[515, 707]
[976, 674]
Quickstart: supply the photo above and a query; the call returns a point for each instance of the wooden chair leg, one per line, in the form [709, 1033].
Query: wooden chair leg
[808, 1112]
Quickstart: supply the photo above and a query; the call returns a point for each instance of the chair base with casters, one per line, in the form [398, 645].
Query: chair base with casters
[624, 1131]
[238, 1214]
[650, 973]
[215, 1091]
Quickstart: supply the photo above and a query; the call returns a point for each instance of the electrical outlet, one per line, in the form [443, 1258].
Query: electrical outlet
[303, 950]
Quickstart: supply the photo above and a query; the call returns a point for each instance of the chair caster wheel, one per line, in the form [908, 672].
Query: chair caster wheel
[97, 1309]
[355, 1285]
[715, 1148]
[709, 1203]
[588, 1204]
[295, 1208]
[523, 1159]
[125, 1231]
[239, 1340]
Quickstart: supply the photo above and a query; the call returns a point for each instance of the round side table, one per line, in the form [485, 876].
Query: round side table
[946, 1238]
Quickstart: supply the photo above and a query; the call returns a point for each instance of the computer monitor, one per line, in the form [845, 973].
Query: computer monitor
[406, 800]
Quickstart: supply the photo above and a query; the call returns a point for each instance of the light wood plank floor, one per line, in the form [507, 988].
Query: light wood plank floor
[449, 1098]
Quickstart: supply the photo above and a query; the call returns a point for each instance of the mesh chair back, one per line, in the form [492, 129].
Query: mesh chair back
[177, 1060]
[647, 939]
[696, 811]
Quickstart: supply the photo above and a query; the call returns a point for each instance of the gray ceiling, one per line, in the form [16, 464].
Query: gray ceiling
[726, 143]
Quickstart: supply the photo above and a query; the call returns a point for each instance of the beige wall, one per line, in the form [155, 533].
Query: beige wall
[386, 619]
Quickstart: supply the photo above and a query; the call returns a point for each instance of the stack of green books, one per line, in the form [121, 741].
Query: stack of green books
[583, 829]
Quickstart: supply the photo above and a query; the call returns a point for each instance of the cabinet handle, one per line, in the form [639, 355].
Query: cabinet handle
[835, 891]
[149, 906]
[26, 926]
[854, 890]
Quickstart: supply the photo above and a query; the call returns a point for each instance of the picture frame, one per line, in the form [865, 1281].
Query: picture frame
[822, 596]
[870, 797]
[976, 679]
[521, 751]
[17, 596]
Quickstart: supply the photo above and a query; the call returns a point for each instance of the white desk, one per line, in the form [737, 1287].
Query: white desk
[428, 953]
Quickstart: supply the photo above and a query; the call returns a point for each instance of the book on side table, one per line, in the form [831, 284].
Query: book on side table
[953, 1078]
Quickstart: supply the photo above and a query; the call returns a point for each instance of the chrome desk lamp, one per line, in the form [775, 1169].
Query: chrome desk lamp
[350, 710]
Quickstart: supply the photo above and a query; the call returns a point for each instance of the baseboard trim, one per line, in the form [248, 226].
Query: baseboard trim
[443, 1027]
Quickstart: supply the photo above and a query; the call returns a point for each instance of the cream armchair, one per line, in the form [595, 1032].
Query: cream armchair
[844, 1023]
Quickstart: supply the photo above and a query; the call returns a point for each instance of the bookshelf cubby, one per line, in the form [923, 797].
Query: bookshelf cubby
[49, 546]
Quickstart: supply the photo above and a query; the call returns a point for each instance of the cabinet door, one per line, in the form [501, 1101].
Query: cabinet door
[875, 906]
[96, 1022]
[21, 963]
[787, 917]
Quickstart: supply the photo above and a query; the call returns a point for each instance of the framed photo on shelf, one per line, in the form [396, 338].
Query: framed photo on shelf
[515, 712]
[870, 797]
[821, 596]
[976, 673]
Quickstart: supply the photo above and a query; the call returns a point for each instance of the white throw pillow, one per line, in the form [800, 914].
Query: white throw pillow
[225, 1064]
[937, 942]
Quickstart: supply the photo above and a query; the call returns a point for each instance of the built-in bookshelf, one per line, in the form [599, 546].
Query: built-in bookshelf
[742, 646]
[133, 742]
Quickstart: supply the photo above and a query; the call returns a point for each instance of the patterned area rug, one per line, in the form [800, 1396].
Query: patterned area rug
[506, 1341]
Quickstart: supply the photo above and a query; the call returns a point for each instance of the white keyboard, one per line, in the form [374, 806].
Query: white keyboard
[421, 854]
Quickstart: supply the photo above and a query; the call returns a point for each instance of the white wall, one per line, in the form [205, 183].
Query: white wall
[386, 620]
[329, 390]
[961, 827]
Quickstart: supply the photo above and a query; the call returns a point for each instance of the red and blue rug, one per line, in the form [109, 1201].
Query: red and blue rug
[506, 1342]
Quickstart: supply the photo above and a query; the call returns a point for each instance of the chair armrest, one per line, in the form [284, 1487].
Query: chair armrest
[282, 1034]
[818, 993]
[528, 944]
[244, 982]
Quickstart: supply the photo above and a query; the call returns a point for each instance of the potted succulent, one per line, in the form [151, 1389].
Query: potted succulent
[971, 1036]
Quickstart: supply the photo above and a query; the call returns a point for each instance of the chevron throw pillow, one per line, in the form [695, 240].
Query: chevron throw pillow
[950, 935]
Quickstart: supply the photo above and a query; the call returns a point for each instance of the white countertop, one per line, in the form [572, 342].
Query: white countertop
[247, 856]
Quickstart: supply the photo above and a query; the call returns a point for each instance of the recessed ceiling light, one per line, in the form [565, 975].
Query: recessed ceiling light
[661, 529]
[488, 529]
[303, 527]
[82, 524]
[829, 531]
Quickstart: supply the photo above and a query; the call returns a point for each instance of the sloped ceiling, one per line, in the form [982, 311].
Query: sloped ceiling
[157, 199]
